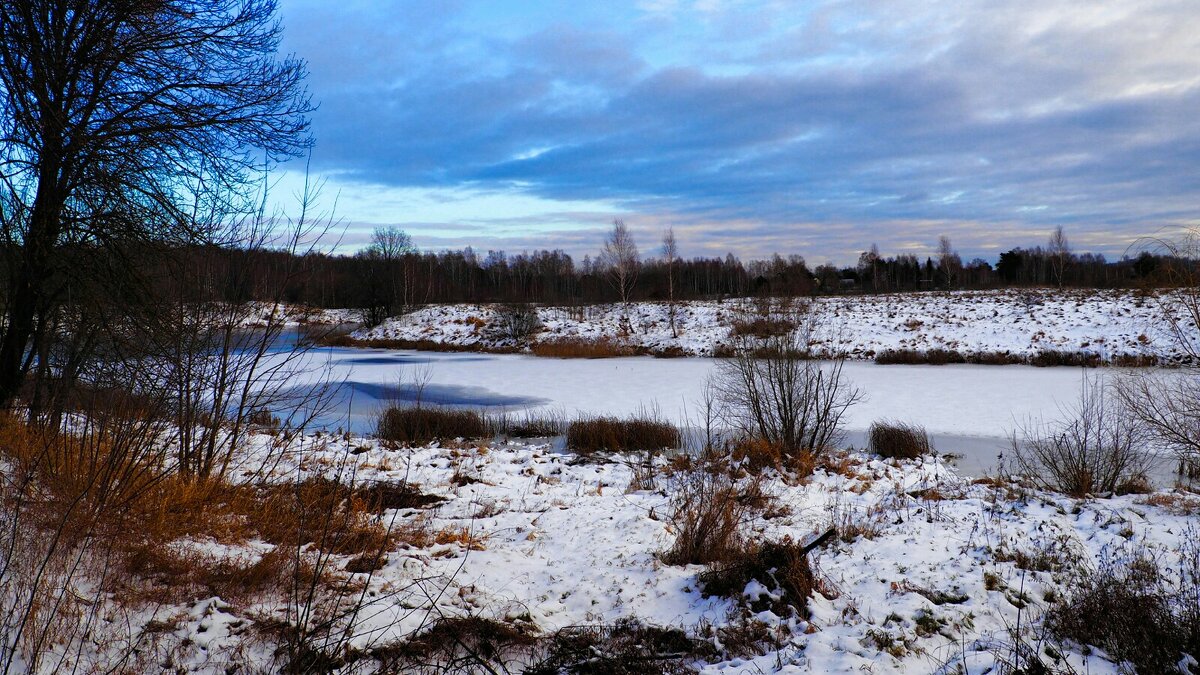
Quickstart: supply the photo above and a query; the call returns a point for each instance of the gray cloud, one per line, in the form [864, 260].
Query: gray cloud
[831, 127]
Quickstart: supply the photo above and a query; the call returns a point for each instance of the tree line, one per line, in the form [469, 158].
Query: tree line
[391, 275]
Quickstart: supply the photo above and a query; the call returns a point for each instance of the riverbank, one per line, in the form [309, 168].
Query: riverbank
[1035, 327]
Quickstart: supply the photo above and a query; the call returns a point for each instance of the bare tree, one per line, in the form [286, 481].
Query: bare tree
[620, 259]
[670, 251]
[948, 261]
[111, 111]
[1059, 250]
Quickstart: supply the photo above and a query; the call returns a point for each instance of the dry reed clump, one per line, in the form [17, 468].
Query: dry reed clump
[897, 440]
[583, 348]
[781, 567]
[416, 425]
[930, 357]
[458, 644]
[423, 344]
[598, 434]
[1052, 358]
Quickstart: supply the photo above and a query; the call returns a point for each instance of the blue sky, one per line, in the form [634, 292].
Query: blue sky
[815, 128]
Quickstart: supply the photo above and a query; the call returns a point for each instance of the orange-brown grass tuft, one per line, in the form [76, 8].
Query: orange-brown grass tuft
[896, 440]
[756, 454]
[583, 348]
[761, 327]
[596, 434]
[419, 426]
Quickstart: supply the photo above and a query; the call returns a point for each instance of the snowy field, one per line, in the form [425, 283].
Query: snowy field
[935, 583]
[1018, 322]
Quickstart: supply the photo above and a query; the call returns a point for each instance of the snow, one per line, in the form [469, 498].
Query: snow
[565, 543]
[1020, 322]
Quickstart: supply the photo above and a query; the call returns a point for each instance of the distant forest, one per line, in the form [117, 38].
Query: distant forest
[390, 275]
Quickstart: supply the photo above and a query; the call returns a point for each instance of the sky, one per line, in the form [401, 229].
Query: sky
[754, 127]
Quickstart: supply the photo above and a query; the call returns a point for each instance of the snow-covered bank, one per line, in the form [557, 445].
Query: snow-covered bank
[938, 576]
[1021, 323]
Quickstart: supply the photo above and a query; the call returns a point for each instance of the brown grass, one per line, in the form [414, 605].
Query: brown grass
[423, 344]
[421, 425]
[707, 514]
[756, 454]
[780, 566]
[1053, 358]
[931, 357]
[896, 440]
[598, 434]
[761, 327]
[584, 348]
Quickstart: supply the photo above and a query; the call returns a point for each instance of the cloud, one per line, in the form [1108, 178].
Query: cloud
[821, 125]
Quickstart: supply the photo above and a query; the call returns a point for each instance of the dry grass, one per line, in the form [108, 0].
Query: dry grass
[423, 344]
[757, 454]
[931, 357]
[761, 327]
[1053, 358]
[708, 512]
[1173, 503]
[781, 567]
[896, 440]
[584, 348]
[421, 425]
[1129, 609]
[599, 434]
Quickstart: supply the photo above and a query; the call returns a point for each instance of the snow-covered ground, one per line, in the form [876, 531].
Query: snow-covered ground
[1019, 322]
[934, 581]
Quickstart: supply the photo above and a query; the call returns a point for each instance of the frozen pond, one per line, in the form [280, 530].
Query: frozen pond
[968, 410]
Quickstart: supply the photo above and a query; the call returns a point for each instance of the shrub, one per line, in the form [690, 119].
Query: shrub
[517, 321]
[896, 440]
[781, 567]
[418, 425]
[1130, 611]
[708, 510]
[1097, 448]
[784, 398]
[595, 434]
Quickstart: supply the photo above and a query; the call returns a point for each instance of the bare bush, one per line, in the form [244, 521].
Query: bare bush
[897, 440]
[772, 389]
[1130, 609]
[1095, 448]
[709, 509]
[517, 321]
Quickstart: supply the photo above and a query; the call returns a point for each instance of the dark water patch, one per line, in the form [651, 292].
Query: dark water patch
[445, 394]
